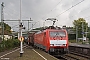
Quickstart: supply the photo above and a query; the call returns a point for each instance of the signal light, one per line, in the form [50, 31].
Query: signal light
[51, 44]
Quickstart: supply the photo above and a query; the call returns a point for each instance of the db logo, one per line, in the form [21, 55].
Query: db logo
[21, 38]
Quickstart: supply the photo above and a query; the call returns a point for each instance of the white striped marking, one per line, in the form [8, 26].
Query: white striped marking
[39, 54]
[5, 58]
[10, 52]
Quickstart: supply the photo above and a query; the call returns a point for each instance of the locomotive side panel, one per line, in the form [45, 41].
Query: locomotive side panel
[39, 40]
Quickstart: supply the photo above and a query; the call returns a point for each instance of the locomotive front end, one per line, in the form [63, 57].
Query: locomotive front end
[58, 41]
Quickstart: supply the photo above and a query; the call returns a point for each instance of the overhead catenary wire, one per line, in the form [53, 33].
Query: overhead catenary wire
[12, 12]
[34, 23]
[69, 8]
[9, 11]
[53, 8]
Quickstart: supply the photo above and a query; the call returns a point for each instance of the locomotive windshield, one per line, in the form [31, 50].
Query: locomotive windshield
[57, 33]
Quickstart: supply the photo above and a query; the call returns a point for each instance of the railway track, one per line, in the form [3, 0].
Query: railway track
[65, 57]
[72, 56]
[81, 55]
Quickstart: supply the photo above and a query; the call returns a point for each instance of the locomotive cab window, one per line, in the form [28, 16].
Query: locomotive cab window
[57, 33]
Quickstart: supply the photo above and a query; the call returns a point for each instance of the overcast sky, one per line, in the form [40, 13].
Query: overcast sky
[65, 11]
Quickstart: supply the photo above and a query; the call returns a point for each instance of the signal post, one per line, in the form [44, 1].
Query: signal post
[20, 32]
[21, 46]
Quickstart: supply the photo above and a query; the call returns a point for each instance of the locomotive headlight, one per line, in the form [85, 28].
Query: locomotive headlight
[51, 44]
[64, 44]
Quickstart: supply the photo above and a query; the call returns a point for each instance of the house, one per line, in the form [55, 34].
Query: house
[6, 35]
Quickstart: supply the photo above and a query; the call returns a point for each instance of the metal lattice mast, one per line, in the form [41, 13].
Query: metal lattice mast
[2, 18]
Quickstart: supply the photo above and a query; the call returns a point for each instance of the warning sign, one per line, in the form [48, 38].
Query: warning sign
[21, 38]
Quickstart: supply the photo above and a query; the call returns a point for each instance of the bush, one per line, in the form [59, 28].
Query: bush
[72, 41]
[16, 43]
[89, 41]
[1, 47]
[5, 45]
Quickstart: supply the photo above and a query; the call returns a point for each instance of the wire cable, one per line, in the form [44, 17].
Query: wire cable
[70, 8]
[53, 8]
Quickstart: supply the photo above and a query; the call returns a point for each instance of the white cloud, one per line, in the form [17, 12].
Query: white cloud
[39, 10]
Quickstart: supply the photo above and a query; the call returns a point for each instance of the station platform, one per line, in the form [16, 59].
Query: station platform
[80, 45]
[29, 54]
[80, 48]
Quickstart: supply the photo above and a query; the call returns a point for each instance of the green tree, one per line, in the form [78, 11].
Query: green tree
[7, 28]
[81, 25]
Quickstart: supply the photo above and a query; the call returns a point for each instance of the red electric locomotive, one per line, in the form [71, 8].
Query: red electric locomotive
[52, 40]
[30, 40]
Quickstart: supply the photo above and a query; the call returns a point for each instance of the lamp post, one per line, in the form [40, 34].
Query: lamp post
[76, 34]
[86, 29]
[82, 31]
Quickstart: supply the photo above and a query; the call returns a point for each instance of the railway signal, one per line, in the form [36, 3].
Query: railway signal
[21, 39]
